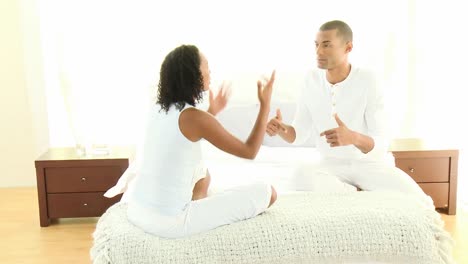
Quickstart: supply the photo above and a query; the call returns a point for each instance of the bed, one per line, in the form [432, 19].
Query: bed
[301, 227]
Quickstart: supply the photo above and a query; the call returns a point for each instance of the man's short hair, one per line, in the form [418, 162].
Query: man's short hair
[342, 29]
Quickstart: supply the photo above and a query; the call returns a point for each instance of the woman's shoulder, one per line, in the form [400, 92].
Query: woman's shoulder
[193, 123]
[193, 114]
[192, 110]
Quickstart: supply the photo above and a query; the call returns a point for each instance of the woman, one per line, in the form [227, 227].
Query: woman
[169, 198]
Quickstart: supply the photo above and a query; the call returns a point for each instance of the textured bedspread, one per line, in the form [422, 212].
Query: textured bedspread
[355, 227]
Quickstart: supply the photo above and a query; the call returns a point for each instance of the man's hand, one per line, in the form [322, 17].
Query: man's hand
[276, 124]
[340, 136]
[219, 102]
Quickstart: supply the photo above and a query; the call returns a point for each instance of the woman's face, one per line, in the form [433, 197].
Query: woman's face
[205, 71]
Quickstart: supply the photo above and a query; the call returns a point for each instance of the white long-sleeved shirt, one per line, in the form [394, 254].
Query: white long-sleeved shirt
[358, 103]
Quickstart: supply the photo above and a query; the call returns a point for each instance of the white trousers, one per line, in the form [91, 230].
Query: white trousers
[219, 209]
[335, 175]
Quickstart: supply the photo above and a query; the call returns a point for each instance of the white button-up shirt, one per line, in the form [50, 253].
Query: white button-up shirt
[358, 103]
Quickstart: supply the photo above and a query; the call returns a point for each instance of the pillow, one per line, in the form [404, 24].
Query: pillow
[239, 120]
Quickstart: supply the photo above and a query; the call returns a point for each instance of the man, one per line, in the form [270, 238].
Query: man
[341, 107]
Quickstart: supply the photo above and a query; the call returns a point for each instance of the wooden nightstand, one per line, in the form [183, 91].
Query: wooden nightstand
[72, 186]
[433, 167]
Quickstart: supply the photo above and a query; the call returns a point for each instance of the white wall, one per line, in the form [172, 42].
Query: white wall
[104, 68]
[23, 119]
[425, 98]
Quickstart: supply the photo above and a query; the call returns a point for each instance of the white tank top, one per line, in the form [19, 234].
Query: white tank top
[169, 162]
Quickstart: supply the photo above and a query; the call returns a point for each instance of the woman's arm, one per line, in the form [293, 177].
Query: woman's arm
[196, 124]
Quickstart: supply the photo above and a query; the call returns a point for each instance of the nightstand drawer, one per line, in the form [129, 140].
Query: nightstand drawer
[79, 204]
[426, 169]
[81, 179]
[438, 191]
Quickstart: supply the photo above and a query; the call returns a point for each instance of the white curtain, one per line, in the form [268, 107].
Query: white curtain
[103, 57]
[438, 72]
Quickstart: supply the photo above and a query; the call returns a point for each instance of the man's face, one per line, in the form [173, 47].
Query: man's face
[331, 49]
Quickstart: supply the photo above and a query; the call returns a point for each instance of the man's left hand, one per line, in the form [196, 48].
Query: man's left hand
[339, 136]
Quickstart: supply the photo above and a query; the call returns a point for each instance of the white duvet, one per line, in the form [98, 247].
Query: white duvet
[353, 227]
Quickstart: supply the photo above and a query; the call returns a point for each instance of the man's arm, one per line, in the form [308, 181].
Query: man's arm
[343, 136]
[374, 141]
[288, 134]
[364, 143]
[376, 118]
[277, 127]
[300, 129]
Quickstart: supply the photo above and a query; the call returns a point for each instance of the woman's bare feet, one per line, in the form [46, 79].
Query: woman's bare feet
[200, 190]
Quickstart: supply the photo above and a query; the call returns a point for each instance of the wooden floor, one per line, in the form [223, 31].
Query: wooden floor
[69, 240]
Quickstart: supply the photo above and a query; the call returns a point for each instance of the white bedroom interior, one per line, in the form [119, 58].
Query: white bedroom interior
[83, 72]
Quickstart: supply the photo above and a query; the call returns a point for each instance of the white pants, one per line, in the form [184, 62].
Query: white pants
[222, 208]
[335, 175]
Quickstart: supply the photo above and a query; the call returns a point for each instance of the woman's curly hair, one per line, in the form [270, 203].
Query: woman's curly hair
[181, 81]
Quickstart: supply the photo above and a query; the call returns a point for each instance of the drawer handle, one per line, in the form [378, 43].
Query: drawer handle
[83, 179]
[411, 169]
[85, 204]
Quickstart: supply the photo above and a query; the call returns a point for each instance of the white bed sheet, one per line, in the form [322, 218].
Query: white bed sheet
[273, 165]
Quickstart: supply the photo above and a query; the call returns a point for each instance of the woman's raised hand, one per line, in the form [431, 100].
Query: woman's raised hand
[265, 89]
